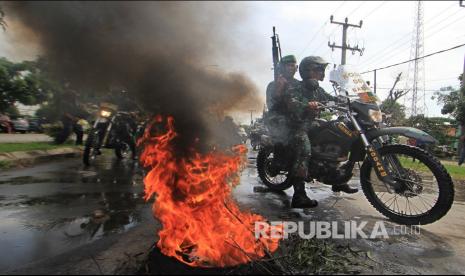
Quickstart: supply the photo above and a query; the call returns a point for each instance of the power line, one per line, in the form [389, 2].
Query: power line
[386, 88]
[321, 28]
[396, 51]
[335, 28]
[356, 9]
[373, 10]
[447, 79]
[400, 63]
[407, 36]
[344, 46]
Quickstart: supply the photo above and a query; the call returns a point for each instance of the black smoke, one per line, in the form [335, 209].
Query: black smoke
[160, 52]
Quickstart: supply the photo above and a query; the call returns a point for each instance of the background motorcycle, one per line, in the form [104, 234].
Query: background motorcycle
[404, 183]
[112, 129]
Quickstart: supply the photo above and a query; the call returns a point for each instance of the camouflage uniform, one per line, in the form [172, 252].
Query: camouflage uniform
[276, 117]
[299, 118]
[275, 120]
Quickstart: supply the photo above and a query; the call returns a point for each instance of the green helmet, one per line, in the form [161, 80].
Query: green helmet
[310, 63]
[288, 59]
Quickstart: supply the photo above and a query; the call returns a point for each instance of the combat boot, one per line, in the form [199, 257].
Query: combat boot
[300, 198]
[344, 188]
[303, 201]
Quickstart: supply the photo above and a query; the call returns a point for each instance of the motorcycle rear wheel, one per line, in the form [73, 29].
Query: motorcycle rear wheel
[278, 182]
[429, 191]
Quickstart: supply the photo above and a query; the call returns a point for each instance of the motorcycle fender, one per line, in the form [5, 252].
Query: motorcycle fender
[266, 140]
[410, 132]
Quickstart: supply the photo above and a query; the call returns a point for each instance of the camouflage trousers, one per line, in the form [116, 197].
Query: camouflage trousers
[301, 147]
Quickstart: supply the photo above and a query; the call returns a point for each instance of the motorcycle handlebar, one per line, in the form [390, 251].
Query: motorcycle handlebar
[324, 105]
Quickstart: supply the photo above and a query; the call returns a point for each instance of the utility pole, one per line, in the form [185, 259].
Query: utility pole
[344, 47]
[462, 124]
[461, 127]
[375, 83]
[251, 118]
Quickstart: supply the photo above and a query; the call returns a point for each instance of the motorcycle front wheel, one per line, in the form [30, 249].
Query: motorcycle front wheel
[91, 148]
[427, 191]
[277, 180]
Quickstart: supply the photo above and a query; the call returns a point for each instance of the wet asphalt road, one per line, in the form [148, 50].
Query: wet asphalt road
[55, 207]
[59, 206]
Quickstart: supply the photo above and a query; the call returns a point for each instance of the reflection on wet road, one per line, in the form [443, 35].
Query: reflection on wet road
[55, 207]
[438, 249]
[255, 196]
[52, 208]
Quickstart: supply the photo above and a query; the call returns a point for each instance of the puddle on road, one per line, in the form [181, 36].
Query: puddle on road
[62, 207]
[23, 180]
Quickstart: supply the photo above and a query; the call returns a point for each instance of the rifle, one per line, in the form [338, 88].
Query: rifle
[276, 50]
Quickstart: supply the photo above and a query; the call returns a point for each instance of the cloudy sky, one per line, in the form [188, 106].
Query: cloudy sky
[305, 29]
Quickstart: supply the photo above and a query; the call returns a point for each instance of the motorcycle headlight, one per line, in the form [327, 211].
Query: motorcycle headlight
[105, 113]
[376, 115]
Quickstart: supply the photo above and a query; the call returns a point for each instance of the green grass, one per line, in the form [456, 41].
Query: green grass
[455, 171]
[12, 147]
[4, 164]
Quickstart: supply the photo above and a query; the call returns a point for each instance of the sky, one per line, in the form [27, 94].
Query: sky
[304, 29]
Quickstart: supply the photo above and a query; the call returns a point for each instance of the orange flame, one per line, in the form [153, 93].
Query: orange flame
[202, 225]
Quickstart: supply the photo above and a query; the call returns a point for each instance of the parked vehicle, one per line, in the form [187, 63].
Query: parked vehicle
[6, 126]
[20, 124]
[35, 124]
[405, 183]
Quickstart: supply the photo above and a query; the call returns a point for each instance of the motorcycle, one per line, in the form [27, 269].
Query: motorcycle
[404, 183]
[112, 129]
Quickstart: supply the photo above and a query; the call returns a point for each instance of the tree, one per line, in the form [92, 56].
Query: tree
[21, 82]
[390, 106]
[395, 112]
[435, 126]
[453, 101]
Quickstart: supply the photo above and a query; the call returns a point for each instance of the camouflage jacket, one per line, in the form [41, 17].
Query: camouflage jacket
[272, 100]
[293, 104]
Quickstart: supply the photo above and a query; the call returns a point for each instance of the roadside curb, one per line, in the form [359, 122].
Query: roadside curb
[28, 158]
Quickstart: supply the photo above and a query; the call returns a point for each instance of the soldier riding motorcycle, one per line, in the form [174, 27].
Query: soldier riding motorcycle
[407, 192]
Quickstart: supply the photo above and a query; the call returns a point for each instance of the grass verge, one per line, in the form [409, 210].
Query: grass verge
[5, 164]
[12, 147]
[455, 171]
